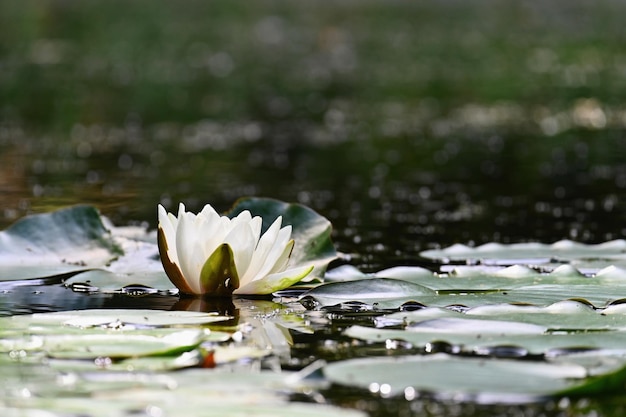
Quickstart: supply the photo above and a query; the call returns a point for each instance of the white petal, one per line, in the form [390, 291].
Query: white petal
[189, 252]
[256, 224]
[241, 241]
[169, 231]
[208, 211]
[205, 240]
[277, 251]
[243, 217]
[263, 248]
[283, 259]
[181, 209]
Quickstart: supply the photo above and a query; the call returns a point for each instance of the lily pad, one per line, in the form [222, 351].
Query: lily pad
[382, 292]
[468, 287]
[89, 334]
[523, 330]
[55, 244]
[205, 393]
[104, 281]
[111, 318]
[610, 252]
[471, 379]
[476, 338]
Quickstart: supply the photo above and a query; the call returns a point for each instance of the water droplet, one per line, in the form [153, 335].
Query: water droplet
[309, 303]
[83, 287]
[137, 290]
[388, 322]
[459, 308]
[355, 306]
[412, 306]
[504, 351]
[556, 352]
[17, 354]
[103, 362]
[115, 325]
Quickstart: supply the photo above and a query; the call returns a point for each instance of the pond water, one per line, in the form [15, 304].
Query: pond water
[409, 126]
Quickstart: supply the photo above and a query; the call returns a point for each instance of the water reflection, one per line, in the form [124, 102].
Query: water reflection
[224, 306]
[27, 299]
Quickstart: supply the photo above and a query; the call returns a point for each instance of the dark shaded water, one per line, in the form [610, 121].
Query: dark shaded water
[387, 198]
[408, 125]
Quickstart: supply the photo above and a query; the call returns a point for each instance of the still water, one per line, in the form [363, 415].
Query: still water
[409, 126]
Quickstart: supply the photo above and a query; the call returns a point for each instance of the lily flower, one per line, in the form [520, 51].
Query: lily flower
[209, 254]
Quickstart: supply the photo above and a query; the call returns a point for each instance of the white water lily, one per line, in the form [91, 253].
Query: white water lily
[216, 255]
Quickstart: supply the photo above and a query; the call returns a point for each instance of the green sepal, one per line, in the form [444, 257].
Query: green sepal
[219, 276]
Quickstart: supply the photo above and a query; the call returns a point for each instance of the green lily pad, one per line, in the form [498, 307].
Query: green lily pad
[78, 246]
[563, 316]
[382, 292]
[111, 318]
[118, 345]
[475, 337]
[122, 393]
[310, 231]
[475, 379]
[55, 244]
[522, 330]
[88, 334]
[219, 355]
[103, 281]
[468, 287]
[611, 252]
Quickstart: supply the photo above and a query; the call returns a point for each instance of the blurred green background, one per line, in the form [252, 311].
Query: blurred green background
[408, 124]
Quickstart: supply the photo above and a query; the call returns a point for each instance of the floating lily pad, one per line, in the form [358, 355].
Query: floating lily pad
[382, 292]
[205, 393]
[108, 333]
[118, 345]
[611, 252]
[80, 247]
[522, 329]
[216, 356]
[518, 284]
[56, 244]
[112, 318]
[114, 282]
[475, 339]
[476, 379]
